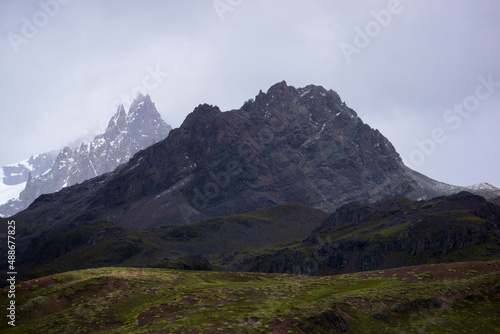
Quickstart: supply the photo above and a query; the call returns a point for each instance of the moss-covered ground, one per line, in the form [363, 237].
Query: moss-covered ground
[444, 298]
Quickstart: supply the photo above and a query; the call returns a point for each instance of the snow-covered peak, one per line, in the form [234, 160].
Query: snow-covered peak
[118, 119]
[126, 134]
[483, 186]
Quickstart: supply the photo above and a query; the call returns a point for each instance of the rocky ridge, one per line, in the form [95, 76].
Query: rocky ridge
[289, 145]
[126, 134]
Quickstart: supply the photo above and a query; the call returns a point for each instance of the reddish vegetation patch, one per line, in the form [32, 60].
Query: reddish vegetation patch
[42, 281]
[50, 305]
[113, 325]
[224, 302]
[187, 301]
[437, 271]
[283, 327]
[344, 313]
[145, 318]
[68, 285]
[360, 304]
[103, 289]
[90, 290]
[385, 304]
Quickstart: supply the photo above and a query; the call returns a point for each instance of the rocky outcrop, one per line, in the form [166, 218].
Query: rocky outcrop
[325, 322]
[361, 237]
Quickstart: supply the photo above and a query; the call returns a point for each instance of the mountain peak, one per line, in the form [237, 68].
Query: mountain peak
[125, 135]
[280, 91]
[118, 118]
[141, 103]
[290, 145]
[202, 114]
[140, 97]
[279, 86]
[483, 186]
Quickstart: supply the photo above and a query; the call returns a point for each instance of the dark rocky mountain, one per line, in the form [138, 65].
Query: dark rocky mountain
[126, 134]
[286, 146]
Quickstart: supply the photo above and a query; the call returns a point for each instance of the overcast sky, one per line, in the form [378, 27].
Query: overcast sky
[405, 68]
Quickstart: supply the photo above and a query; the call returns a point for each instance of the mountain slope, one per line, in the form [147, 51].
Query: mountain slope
[13, 179]
[126, 134]
[287, 146]
[394, 232]
[182, 247]
[292, 238]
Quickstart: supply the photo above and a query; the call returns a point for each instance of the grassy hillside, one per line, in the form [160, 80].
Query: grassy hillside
[395, 232]
[179, 247]
[445, 298]
[292, 238]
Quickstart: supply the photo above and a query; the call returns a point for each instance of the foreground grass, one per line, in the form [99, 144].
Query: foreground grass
[446, 298]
